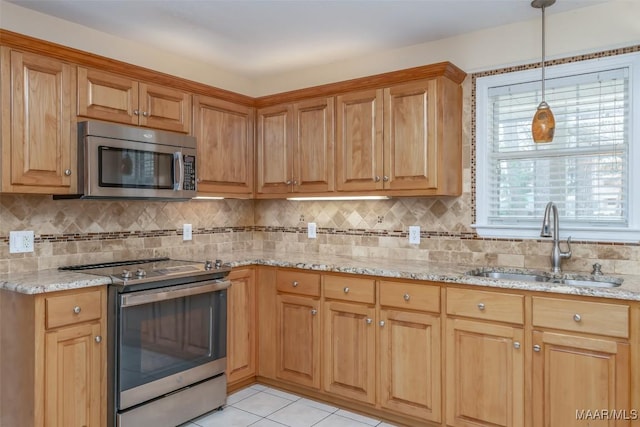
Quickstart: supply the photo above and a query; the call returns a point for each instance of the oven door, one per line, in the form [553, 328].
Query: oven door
[169, 338]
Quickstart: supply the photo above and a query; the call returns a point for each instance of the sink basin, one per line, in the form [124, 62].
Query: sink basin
[536, 276]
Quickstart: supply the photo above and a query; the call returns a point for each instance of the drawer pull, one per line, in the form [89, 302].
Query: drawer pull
[98, 339]
[407, 297]
[346, 290]
[369, 321]
[536, 348]
[295, 284]
[577, 317]
[516, 345]
[481, 307]
[77, 309]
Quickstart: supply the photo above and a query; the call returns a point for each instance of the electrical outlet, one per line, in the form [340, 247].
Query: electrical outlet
[187, 232]
[20, 241]
[414, 234]
[311, 230]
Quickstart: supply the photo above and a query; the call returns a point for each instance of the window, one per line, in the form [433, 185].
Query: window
[591, 170]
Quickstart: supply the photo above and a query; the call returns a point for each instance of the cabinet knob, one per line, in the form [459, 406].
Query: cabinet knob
[98, 339]
[577, 317]
[295, 182]
[536, 348]
[381, 323]
[481, 307]
[369, 321]
[288, 182]
[67, 172]
[145, 114]
[77, 309]
[376, 178]
[136, 112]
[407, 297]
[295, 284]
[516, 345]
[314, 312]
[346, 290]
[385, 178]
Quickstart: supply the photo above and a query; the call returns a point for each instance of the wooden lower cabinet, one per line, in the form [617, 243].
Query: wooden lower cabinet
[576, 376]
[241, 326]
[410, 369]
[298, 340]
[349, 362]
[484, 374]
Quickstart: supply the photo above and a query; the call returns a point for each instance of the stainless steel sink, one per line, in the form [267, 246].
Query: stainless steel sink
[518, 275]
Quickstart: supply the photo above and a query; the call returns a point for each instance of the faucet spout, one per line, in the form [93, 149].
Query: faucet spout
[556, 253]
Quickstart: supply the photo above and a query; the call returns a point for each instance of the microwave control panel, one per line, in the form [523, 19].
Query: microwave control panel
[189, 173]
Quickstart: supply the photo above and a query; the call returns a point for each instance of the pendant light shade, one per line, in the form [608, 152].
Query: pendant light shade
[543, 125]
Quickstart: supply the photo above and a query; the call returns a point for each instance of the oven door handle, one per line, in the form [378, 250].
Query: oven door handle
[163, 294]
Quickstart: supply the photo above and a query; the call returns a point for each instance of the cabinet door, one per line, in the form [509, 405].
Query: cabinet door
[410, 136]
[359, 141]
[73, 377]
[484, 372]
[409, 349]
[225, 146]
[313, 147]
[298, 340]
[576, 376]
[241, 326]
[107, 96]
[275, 161]
[39, 139]
[349, 351]
[164, 108]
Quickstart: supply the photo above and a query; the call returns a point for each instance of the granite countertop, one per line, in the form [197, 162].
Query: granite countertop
[54, 280]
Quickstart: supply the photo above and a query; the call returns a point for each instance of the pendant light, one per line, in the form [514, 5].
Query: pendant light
[543, 125]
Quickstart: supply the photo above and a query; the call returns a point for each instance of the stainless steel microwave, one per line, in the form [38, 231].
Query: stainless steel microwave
[135, 163]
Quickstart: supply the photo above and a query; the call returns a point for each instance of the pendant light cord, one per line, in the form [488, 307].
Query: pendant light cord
[543, 52]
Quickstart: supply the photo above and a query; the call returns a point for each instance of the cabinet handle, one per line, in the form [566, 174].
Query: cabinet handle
[536, 348]
[145, 114]
[136, 112]
[346, 290]
[407, 297]
[376, 178]
[385, 178]
[98, 339]
[295, 284]
[369, 321]
[577, 317]
[314, 312]
[481, 307]
[67, 172]
[381, 323]
[77, 309]
[516, 345]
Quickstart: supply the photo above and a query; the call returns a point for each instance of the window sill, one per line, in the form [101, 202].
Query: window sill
[524, 232]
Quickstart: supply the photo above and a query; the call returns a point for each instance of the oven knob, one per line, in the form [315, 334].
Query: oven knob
[140, 273]
[126, 274]
[218, 263]
[208, 265]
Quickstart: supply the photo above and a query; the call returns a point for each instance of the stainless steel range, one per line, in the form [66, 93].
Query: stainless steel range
[167, 325]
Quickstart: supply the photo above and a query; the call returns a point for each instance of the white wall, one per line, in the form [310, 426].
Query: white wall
[615, 23]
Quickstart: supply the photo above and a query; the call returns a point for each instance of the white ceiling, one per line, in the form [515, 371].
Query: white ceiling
[265, 37]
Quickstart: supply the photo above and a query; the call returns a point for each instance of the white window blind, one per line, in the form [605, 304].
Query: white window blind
[586, 171]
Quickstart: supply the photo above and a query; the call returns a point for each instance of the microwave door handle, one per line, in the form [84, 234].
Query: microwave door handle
[177, 183]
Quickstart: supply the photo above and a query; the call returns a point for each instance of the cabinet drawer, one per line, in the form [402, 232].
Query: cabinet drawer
[412, 296]
[581, 316]
[486, 305]
[297, 282]
[350, 289]
[72, 308]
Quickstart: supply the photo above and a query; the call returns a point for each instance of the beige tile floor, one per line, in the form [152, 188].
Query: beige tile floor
[260, 406]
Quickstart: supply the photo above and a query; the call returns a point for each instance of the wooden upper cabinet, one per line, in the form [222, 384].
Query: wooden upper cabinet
[38, 135]
[224, 131]
[359, 151]
[111, 97]
[295, 147]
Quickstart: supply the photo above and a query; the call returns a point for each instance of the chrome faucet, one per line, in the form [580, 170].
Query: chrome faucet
[556, 253]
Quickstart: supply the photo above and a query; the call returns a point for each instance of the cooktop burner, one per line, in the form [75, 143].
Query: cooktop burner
[152, 270]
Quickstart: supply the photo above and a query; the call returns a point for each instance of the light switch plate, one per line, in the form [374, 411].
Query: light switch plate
[414, 234]
[20, 241]
[187, 232]
[311, 230]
